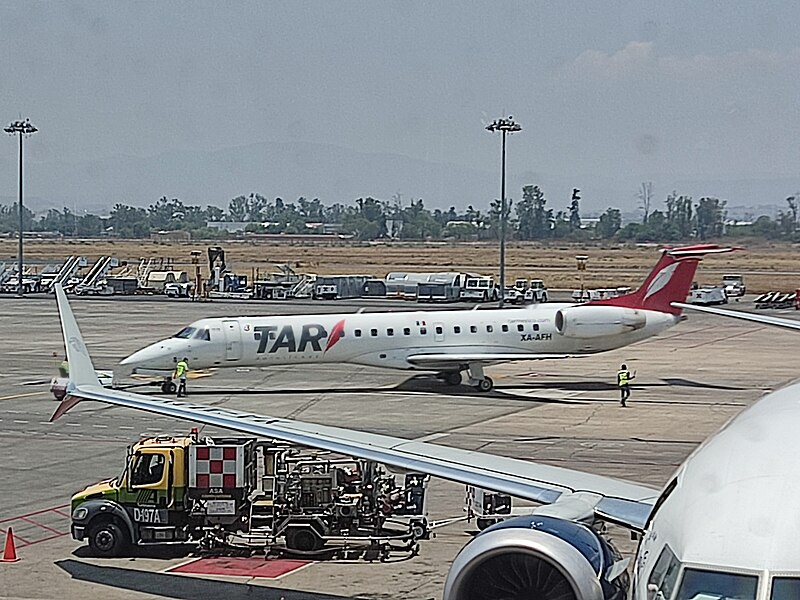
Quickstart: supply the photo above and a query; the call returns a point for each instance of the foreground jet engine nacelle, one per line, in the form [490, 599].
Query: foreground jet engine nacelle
[537, 558]
[585, 322]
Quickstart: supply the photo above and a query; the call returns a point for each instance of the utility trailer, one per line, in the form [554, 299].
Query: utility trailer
[251, 495]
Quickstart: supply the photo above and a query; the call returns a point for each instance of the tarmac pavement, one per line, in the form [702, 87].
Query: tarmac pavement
[690, 381]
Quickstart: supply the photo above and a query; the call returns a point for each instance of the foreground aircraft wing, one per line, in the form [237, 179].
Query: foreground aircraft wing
[745, 316]
[444, 360]
[571, 493]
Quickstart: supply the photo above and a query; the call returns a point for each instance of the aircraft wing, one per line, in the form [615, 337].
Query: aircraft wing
[745, 316]
[446, 360]
[568, 492]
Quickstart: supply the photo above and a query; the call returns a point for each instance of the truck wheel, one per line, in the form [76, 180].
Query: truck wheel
[169, 387]
[107, 540]
[303, 540]
[483, 523]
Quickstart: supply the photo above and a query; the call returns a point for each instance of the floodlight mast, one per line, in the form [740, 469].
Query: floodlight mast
[505, 126]
[22, 129]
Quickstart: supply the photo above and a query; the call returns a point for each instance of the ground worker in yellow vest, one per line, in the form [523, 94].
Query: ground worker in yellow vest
[180, 374]
[623, 381]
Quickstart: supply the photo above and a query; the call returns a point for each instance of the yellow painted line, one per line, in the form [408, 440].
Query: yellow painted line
[22, 395]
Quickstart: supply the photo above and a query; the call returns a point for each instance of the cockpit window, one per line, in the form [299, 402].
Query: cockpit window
[185, 333]
[699, 583]
[785, 588]
[665, 572]
[202, 334]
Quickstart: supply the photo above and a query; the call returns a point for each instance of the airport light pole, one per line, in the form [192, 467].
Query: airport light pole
[505, 126]
[582, 259]
[22, 129]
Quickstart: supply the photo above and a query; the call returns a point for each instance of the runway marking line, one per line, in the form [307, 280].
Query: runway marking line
[27, 395]
[254, 566]
[28, 519]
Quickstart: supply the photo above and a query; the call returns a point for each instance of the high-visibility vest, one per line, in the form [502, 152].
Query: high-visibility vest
[180, 369]
[64, 367]
[623, 377]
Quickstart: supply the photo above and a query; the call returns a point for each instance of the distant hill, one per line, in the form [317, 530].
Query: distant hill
[336, 174]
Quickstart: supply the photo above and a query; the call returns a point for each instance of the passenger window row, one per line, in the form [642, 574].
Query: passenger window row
[440, 330]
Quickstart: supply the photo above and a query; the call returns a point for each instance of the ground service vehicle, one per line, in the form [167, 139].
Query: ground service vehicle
[708, 295]
[253, 494]
[536, 292]
[513, 295]
[734, 285]
[480, 289]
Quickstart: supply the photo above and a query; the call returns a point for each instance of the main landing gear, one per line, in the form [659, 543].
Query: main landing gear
[476, 378]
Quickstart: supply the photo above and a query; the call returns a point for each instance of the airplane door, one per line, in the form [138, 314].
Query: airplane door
[233, 340]
[438, 332]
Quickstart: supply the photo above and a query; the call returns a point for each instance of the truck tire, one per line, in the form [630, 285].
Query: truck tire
[303, 539]
[107, 539]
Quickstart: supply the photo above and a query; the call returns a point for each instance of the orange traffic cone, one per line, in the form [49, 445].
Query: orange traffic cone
[10, 552]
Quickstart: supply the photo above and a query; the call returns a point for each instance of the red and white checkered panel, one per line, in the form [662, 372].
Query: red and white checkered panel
[216, 467]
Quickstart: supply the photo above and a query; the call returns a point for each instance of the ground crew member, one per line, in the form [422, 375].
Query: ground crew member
[63, 368]
[623, 381]
[180, 374]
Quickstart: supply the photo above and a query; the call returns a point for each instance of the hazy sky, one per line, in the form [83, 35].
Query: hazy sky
[627, 90]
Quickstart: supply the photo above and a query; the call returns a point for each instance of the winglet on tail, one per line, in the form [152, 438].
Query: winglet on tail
[81, 370]
[669, 281]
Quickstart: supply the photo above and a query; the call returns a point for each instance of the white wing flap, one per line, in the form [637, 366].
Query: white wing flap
[532, 481]
[744, 316]
[422, 360]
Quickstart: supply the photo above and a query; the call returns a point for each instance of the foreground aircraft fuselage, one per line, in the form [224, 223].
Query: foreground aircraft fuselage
[444, 341]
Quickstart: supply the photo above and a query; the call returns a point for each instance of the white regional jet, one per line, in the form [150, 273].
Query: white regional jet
[724, 527]
[444, 341]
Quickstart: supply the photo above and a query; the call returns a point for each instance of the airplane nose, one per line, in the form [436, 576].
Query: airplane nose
[153, 356]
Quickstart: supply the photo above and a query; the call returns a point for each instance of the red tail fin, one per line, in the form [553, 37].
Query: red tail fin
[668, 282]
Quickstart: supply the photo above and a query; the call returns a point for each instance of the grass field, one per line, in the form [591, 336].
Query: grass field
[765, 266]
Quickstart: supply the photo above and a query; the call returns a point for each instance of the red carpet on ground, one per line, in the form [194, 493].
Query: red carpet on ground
[254, 566]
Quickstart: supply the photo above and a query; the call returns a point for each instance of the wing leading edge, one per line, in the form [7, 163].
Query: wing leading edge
[626, 503]
[745, 316]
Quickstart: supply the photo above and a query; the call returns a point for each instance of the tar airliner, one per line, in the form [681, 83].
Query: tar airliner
[443, 341]
[723, 527]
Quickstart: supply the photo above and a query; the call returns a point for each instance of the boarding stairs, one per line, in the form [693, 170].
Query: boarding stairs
[92, 282]
[303, 288]
[68, 270]
[6, 272]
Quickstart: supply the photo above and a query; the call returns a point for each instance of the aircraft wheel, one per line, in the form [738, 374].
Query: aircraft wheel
[453, 378]
[485, 384]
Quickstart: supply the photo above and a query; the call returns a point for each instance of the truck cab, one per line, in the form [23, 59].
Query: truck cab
[145, 502]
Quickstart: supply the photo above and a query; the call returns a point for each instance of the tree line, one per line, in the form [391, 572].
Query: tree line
[529, 218]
